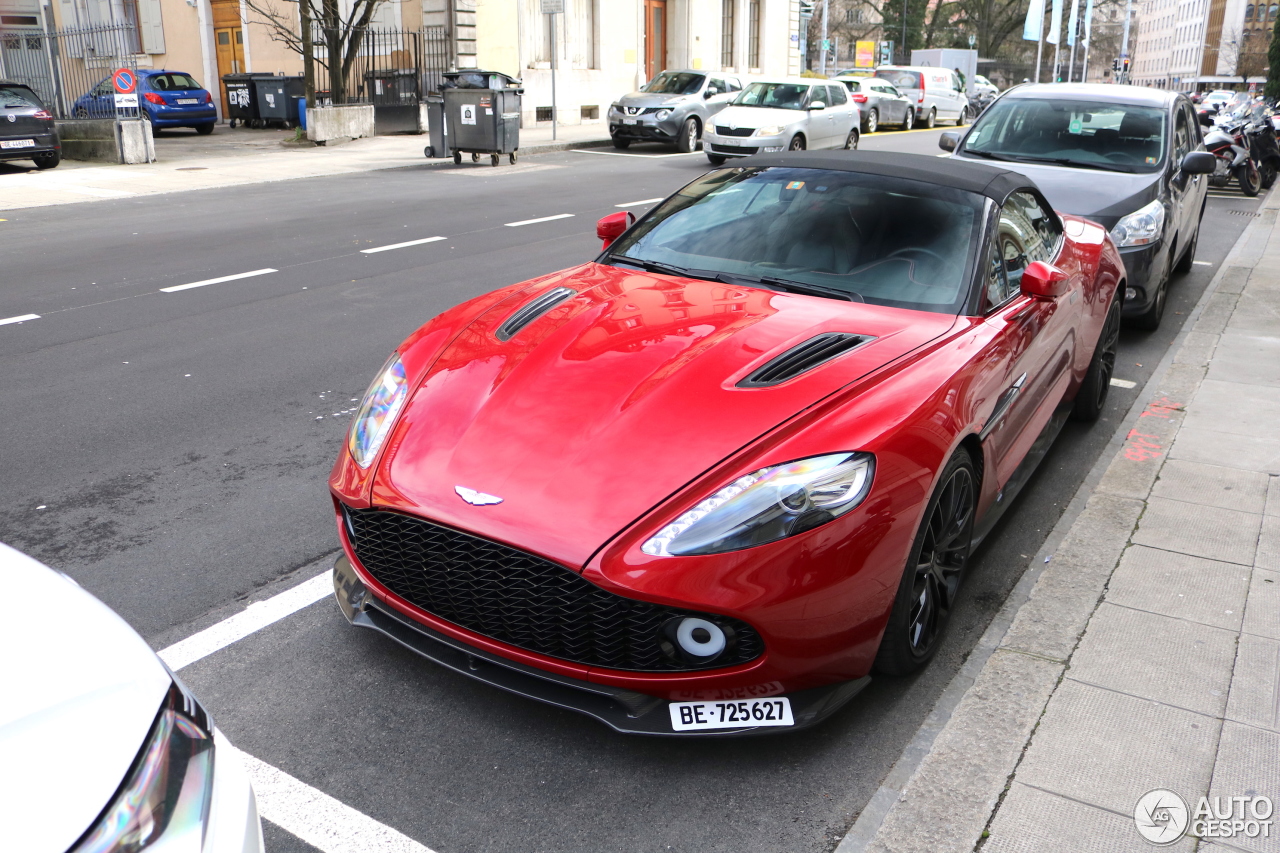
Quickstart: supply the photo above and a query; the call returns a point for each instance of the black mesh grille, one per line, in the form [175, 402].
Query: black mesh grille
[732, 149]
[521, 599]
[734, 131]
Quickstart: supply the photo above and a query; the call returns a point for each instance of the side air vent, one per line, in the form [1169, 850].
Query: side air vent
[533, 311]
[803, 358]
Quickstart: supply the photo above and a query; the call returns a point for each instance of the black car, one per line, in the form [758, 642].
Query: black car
[1129, 158]
[27, 131]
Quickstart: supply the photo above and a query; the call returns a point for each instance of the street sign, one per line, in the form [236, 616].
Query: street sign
[552, 7]
[864, 54]
[826, 44]
[126, 84]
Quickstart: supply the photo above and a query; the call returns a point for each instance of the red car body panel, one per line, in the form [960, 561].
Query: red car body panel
[617, 411]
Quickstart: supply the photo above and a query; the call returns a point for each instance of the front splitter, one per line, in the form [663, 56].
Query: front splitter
[624, 711]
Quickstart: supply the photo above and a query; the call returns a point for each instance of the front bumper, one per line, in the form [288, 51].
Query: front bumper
[625, 711]
[234, 825]
[742, 146]
[1145, 268]
[645, 129]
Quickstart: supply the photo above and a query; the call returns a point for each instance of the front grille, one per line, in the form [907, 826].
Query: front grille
[523, 600]
[734, 131]
[732, 149]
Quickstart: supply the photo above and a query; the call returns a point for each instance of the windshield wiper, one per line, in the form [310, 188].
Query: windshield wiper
[1078, 164]
[990, 155]
[664, 269]
[791, 286]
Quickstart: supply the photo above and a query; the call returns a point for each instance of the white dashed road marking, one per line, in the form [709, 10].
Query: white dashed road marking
[539, 219]
[209, 281]
[1202, 263]
[401, 245]
[638, 203]
[1123, 383]
[21, 319]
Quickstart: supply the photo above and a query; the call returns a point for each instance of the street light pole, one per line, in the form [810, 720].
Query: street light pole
[905, 56]
[822, 63]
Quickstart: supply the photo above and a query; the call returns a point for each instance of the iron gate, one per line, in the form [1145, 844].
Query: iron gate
[392, 70]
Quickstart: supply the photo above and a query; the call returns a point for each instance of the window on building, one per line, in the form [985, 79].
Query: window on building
[726, 33]
[753, 33]
[1248, 12]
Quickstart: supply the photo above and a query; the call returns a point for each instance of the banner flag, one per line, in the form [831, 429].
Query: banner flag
[1071, 22]
[1033, 29]
[1088, 21]
[1055, 26]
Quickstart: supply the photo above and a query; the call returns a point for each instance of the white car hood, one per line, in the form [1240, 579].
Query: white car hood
[81, 690]
[755, 117]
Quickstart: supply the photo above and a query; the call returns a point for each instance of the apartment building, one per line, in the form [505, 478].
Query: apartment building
[1187, 45]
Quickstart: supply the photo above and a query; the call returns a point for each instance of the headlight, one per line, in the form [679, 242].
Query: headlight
[164, 804]
[772, 130]
[770, 504]
[661, 115]
[1142, 226]
[378, 409]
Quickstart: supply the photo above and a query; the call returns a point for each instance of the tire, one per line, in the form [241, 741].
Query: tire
[715, 159]
[428, 152]
[457, 158]
[475, 158]
[1149, 320]
[934, 570]
[872, 124]
[910, 120]
[494, 159]
[963, 118]
[1188, 257]
[513, 157]
[851, 141]
[1268, 171]
[204, 129]
[621, 144]
[80, 112]
[690, 133]
[1249, 179]
[1092, 397]
[932, 120]
[48, 160]
[796, 144]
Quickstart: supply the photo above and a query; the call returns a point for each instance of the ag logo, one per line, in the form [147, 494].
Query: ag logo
[475, 498]
[1161, 816]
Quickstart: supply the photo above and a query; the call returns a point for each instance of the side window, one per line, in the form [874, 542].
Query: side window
[997, 289]
[1193, 125]
[734, 85]
[716, 87]
[838, 95]
[1181, 135]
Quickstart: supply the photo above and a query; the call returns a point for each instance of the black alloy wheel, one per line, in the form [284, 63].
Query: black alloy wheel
[1268, 172]
[873, 120]
[1092, 397]
[81, 112]
[851, 141]
[927, 592]
[688, 140]
[1249, 178]
[797, 143]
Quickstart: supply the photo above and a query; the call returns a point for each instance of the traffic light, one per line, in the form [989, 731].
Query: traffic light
[1115, 65]
[1126, 66]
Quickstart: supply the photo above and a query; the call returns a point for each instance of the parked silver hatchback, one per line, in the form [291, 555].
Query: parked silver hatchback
[674, 107]
[784, 115]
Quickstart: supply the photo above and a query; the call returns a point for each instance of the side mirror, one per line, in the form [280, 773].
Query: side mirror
[949, 140]
[1043, 281]
[613, 226]
[1206, 119]
[1199, 163]
[710, 93]
[818, 105]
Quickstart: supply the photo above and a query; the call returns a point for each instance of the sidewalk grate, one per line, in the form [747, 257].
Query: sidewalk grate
[1243, 213]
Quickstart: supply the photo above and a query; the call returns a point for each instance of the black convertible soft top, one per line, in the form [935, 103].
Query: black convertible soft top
[980, 178]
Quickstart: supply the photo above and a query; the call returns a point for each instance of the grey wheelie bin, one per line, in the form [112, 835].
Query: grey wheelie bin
[242, 97]
[277, 99]
[437, 130]
[482, 114]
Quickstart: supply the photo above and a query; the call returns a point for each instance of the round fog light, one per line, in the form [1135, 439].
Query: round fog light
[1130, 293]
[699, 638]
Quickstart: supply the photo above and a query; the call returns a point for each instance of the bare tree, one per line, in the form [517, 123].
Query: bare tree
[1245, 52]
[340, 35]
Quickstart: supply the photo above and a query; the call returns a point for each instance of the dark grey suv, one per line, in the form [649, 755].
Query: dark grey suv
[1127, 157]
[27, 131]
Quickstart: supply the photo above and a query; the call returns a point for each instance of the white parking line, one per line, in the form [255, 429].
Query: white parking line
[401, 245]
[253, 618]
[317, 818]
[22, 319]
[540, 219]
[1123, 383]
[623, 154]
[1202, 263]
[638, 203]
[178, 287]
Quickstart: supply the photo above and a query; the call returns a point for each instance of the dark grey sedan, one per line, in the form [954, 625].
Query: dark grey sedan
[674, 107]
[880, 102]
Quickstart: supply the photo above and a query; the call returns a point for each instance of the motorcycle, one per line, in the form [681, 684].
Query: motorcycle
[1226, 141]
[1260, 133]
[978, 102]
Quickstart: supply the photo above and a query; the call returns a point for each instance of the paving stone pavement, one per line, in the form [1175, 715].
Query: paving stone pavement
[1147, 653]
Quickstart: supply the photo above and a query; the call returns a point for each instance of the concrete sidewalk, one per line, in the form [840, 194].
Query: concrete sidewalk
[1143, 651]
[232, 157]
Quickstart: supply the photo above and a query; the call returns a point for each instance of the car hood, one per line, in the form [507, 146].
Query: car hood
[611, 402]
[81, 690]
[754, 117]
[647, 99]
[1101, 196]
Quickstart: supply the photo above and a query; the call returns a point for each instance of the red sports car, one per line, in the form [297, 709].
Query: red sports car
[710, 481]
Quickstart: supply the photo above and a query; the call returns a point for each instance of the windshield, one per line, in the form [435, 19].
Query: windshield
[1086, 134]
[902, 79]
[18, 97]
[864, 238]
[172, 82]
[782, 96]
[675, 83]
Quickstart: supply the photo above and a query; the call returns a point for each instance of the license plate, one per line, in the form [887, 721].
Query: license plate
[630, 121]
[18, 143]
[188, 100]
[694, 716]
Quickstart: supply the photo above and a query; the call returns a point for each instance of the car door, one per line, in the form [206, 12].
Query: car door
[844, 114]
[818, 124]
[718, 95]
[893, 108]
[1182, 190]
[1036, 334]
[102, 100]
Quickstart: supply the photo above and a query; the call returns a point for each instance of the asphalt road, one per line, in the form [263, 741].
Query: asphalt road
[169, 451]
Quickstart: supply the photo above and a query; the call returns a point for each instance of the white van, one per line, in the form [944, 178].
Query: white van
[936, 93]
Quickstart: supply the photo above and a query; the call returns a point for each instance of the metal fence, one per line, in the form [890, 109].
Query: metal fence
[385, 68]
[70, 69]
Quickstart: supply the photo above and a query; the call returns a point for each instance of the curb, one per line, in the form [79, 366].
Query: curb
[943, 791]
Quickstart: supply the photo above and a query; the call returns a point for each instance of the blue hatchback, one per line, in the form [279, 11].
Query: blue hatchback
[169, 98]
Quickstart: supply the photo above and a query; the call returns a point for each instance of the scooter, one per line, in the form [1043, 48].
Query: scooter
[1260, 134]
[1227, 143]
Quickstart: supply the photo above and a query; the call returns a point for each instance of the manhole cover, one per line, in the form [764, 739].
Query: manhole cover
[192, 168]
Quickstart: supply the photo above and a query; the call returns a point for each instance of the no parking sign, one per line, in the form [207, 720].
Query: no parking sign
[126, 83]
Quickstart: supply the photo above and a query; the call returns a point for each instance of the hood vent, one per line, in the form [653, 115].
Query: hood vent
[533, 311]
[803, 358]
